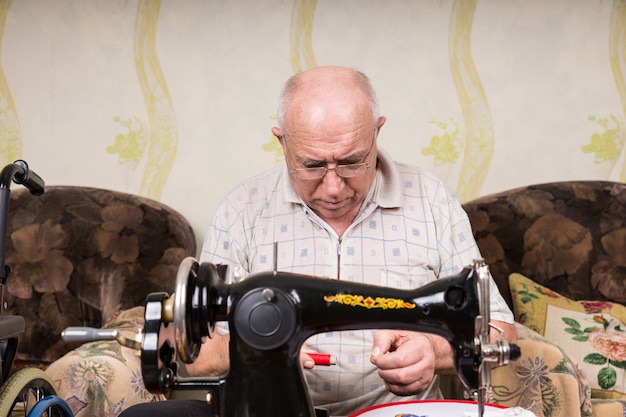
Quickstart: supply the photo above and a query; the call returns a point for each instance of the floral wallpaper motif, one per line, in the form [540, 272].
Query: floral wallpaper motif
[130, 146]
[607, 144]
[445, 148]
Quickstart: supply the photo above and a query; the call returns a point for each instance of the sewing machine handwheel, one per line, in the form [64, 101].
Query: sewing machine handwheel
[194, 317]
[187, 350]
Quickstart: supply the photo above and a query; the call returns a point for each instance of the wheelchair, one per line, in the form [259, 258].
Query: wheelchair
[28, 392]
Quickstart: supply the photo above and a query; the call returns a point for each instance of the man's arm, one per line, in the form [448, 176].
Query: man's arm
[508, 331]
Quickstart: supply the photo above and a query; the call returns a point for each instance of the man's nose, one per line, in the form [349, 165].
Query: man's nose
[331, 181]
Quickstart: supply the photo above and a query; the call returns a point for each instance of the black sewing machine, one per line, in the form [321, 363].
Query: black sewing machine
[271, 314]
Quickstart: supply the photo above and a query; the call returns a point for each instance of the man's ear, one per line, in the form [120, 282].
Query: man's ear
[278, 133]
[381, 121]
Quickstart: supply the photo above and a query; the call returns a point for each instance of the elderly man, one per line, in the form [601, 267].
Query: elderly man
[341, 208]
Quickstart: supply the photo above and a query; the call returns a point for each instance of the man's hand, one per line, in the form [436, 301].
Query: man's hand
[306, 361]
[213, 359]
[408, 361]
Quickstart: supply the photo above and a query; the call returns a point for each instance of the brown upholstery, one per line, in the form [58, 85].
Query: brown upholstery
[568, 236]
[79, 255]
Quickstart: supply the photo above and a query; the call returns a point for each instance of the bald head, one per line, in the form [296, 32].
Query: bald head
[328, 117]
[322, 88]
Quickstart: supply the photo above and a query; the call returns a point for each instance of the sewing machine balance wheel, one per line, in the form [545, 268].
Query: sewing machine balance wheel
[193, 309]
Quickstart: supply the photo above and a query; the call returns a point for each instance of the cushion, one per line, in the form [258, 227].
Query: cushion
[592, 332]
[103, 378]
[544, 380]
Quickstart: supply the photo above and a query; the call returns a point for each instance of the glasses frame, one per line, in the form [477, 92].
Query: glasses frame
[323, 170]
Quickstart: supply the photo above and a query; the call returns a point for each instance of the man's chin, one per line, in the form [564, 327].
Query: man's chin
[330, 214]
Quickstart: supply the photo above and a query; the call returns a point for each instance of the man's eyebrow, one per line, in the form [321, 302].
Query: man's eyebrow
[350, 159]
[355, 157]
[310, 162]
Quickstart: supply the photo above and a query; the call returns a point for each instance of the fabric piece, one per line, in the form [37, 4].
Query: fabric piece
[592, 332]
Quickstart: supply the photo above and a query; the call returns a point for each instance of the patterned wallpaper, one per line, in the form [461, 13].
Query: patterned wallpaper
[10, 139]
[175, 100]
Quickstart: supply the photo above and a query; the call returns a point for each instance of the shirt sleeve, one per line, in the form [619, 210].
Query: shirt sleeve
[224, 243]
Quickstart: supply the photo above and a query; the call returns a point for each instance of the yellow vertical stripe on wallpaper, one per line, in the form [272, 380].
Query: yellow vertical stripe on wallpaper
[478, 123]
[301, 39]
[10, 131]
[301, 52]
[617, 51]
[162, 129]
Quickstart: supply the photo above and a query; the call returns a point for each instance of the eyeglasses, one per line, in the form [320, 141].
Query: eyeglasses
[341, 170]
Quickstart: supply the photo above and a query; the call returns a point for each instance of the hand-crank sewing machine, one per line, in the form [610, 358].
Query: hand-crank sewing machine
[271, 314]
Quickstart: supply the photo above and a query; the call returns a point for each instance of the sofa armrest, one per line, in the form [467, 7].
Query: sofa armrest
[103, 378]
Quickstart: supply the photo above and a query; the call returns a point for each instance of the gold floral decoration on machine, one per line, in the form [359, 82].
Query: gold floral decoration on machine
[369, 302]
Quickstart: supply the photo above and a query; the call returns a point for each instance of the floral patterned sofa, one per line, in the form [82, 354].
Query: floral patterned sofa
[85, 256]
[558, 254]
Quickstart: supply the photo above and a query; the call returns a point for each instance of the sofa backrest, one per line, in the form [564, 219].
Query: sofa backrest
[78, 255]
[568, 236]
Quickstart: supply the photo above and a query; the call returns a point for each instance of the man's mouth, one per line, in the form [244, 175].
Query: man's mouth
[332, 205]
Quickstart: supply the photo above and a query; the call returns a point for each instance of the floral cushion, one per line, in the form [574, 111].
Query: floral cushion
[103, 378]
[544, 380]
[593, 332]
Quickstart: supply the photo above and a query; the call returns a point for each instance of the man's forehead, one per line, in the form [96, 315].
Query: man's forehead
[311, 112]
[321, 146]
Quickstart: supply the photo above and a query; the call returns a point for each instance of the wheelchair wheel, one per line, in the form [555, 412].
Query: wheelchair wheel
[52, 405]
[23, 390]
